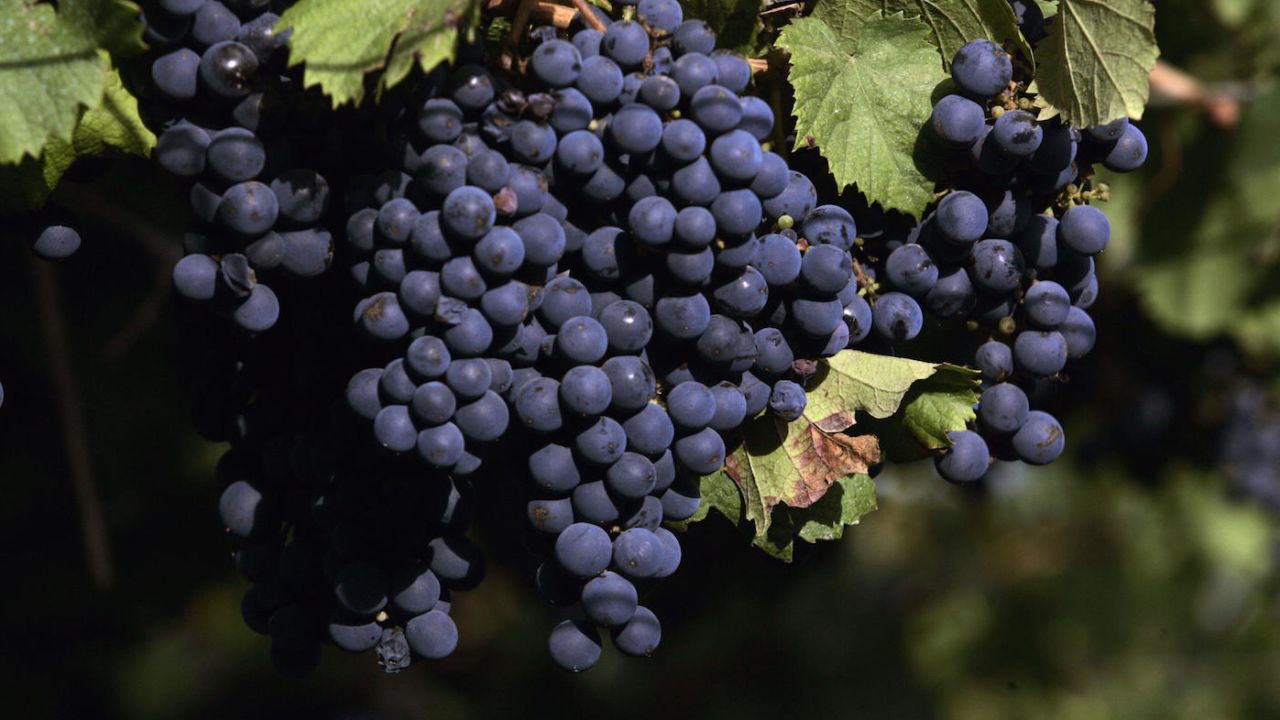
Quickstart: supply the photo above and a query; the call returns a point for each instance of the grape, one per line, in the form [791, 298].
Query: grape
[995, 266]
[302, 195]
[682, 499]
[652, 220]
[897, 317]
[355, 638]
[574, 645]
[961, 217]
[56, 242]
[664, 16]
[649, 431]
[175, 73]
[694, 71]
[995, 360]
[609, 600]
[1085, 230]
[858, 318]
[627, 326]
[986, 156]
[637, 553]
[1040, 354]
[1008, 215]
[683, 140]
[701, 452]
[533, 143]
[816, 318]
[691, 405]
[585, 390]
[636, 129]
[640, 636]
[696, 184]
[1057, 150]
[1046, 304]
[981, 69]
[626, 43]
[682, 317]
[787, 400]
[632, 476]
[910, 269]
[1109, 132]
[442, 169]
[1129, 153]
[1039, 243]
[227, 69]
[736, 156]
[601, 443]
[214, 23]
[553, 469]
[433, 635]
[582, 340]
[737, 212]
[433, 403]
[544, 239]
[500, 252]
[631, 380]
[743, 296]
[952, 296]
[757, 118]
[556, 63]
[1040, 440]
[966, 460]
[660, 93]
[471, 336]
[795, 201]
[1079, 332]
[732, 70]
[588, 42]
[537, 405]
[1017, 133]
[240, 508]
[584, 550]
[181, 149]
[550, 516]
[593, 503]
[715, 108]
[957, 120]
[195, 277]
[693, 36]
[1003, 408]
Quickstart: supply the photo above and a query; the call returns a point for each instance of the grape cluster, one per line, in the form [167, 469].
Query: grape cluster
[605, 259]
[213, 83]
[588, 274]
[1009, 248]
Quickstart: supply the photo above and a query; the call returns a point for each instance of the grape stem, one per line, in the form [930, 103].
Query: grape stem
[589, 17]
[555, 15]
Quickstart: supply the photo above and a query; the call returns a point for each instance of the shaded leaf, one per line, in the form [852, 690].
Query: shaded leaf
[341, 41]
[736, 22]
[1094, 63]
[952, 23]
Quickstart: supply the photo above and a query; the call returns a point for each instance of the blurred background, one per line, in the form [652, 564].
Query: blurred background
[1137, 578]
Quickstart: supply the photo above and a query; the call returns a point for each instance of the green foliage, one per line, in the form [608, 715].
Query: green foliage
[808, 478]
[341, 42]
[111, 126]
[736, 22]
[51, 69]
[952, 23]
[1094, 63]
[862, 93]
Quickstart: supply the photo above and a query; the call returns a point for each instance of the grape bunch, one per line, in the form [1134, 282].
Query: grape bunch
[586, 273]
[1009, 249]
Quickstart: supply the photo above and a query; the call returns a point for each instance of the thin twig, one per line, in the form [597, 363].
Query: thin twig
[552, 14]
[758, 65]
[588, 16]
[520, 20]
[144, 315]
[53, 323]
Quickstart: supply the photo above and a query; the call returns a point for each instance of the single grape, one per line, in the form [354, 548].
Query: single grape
[574, 645]
[715, 108]
[626, 43]
[1046, 304]
[788, 400]
[1004, 408]
[1129, 153]
[981, 69]
[995, 266]
[1039, 353]
[1085, 230]
[1017, 133]
[632, 476]
[897, 317]
[957, 120]
[966, 460]
[1040, 440]
[994, 360]
[584, 550]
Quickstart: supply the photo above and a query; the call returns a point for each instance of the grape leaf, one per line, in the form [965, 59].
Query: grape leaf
[736, 22]
[341, 41]
[1094, 63]
[952, 23]
[50, 67]
[862, 93]
[109, 127]
[809, 477]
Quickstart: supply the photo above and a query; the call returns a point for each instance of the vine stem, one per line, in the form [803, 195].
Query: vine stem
[53, 324]
[588, 16]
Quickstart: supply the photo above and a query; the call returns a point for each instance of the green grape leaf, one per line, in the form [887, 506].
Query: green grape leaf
[50, 67]
[952, 23]
[112, 126]
[1094, 63]
[1048, 7]
[736, 22]
[340, 41]
[862, 93]
[808, 478]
